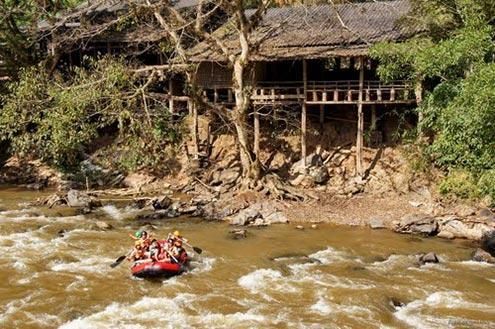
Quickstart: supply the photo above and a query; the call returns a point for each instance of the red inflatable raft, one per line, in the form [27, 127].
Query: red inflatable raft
[157, 269]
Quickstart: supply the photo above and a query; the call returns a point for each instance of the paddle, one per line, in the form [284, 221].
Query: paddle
[196, 249]
[170, 254]
[119, 260]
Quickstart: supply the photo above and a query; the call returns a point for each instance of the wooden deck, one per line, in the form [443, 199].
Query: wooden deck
[320, 93]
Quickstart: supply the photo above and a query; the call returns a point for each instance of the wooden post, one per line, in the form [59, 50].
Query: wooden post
[170, 95]
[322, 117]
[373, 117]
[360, 128]
[256, 147]
[215, 96]
[418, 91]
[195, 131]
[303, 114]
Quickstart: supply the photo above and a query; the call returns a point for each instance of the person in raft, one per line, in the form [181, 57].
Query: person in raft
[149, 250]
[172, 237]
[177, 251]
[137, 254]
[141, 238]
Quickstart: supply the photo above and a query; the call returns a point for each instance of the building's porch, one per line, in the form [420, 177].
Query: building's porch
[319, 92]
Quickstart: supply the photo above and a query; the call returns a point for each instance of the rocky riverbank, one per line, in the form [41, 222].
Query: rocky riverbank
[407, 214]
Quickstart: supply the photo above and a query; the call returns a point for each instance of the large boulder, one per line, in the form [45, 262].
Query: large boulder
[245, 216]
[430, 257]
[377, 223]
[488, 242]
[472, 229]
[103, 225]
[417, 224]
[486, 213]
[225, 177]
[311, 160]
[482, 256]
[320, 174]
[79, 199]
[277, 218]
[161, 203]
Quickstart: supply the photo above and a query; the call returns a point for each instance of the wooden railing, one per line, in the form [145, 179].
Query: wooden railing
[374, 92]
[321, 92]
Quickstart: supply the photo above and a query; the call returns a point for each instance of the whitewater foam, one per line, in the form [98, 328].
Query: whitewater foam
[88, 264]
[412, 312]
[163, 312]
[258, 280]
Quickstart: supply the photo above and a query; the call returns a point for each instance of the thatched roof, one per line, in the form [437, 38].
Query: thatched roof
[95, 8]
[318, 31]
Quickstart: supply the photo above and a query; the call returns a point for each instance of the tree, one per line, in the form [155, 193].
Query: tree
[173, 21]
[19, 27]
[455, 57]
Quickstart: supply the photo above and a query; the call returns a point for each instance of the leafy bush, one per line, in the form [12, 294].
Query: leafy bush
[59, 119]
[486, 185]
[461, 184]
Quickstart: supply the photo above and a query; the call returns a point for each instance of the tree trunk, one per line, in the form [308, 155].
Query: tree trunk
[250, 166]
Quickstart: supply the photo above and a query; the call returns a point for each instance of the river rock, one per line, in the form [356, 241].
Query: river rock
[188, 209]
[81, 199]
[238, 234]
[36, 186]
[488, 242]
[103, 225]
[446, 235]
[377, 223]
[417, 224]
[277, 218]
[225, 177]
[395, 303]
[483, 256]
[472, 229]
[486, 213]
[430, 257]
[53, 200]
[61, 233]
[140, 203]
[259, 222]
[157, 215]
[245, 216]
[161, 203]
[84, 211]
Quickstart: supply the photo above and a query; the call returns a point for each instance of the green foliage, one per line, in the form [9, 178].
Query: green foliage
[456, 56]
[486, 184]
[18, 28]
[461, 184]
[464, 121]
[58, 120]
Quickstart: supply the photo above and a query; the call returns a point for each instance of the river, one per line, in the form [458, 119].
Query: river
[279, 277]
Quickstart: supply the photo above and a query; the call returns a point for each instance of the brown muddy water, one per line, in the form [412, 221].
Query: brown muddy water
[279, 277]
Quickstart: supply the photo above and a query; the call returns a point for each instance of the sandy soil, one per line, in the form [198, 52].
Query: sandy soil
[358, 210]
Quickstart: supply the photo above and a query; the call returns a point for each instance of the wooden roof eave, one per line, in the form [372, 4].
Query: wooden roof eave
[288, 53]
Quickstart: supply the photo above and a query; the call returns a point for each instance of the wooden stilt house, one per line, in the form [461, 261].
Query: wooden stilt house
[316, 59]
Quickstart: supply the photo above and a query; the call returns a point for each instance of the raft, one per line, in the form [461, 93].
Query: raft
[157, 269]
